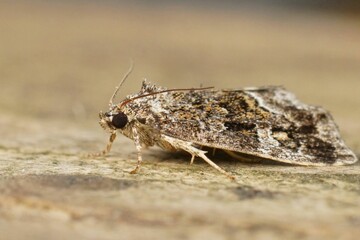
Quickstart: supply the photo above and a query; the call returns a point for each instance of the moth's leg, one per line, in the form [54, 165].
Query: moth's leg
[107, 149]
[138, 148]
[213, 151]
[192, 159]
[193, 156]
[187, 146]
[201, 147]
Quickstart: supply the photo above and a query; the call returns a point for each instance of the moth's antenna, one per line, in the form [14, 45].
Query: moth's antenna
[121, 83]
[164, 91]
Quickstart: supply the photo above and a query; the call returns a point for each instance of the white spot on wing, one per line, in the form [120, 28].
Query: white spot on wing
[156, 107]
[260, 100]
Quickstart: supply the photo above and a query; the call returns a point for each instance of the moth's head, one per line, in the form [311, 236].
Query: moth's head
[113, 120]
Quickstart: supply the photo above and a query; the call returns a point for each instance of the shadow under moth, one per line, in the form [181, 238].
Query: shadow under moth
[266, 122]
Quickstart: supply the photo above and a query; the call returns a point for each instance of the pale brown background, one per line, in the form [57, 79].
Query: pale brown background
[59, 64]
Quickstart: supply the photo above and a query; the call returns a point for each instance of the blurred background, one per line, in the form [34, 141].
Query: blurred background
[63, 59]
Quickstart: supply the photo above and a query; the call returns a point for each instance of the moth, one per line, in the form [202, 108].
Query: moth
[266, 123]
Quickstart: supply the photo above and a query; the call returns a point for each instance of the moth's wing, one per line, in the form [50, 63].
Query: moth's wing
[264, 122]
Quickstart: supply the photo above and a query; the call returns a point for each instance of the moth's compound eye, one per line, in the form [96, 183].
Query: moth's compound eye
[119, 120]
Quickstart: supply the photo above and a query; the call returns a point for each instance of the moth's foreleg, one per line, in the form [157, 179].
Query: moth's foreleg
[187, 146]
[107, 149]
[138, 148]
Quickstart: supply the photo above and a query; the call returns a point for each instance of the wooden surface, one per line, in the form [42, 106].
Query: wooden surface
[59, 64]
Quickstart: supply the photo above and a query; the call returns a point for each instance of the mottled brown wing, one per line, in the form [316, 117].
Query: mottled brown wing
[265, 122]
